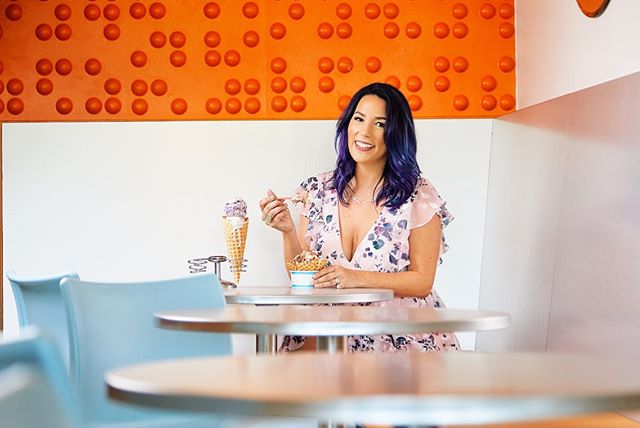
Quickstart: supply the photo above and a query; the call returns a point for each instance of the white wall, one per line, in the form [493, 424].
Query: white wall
[559, 50]
[134, 201]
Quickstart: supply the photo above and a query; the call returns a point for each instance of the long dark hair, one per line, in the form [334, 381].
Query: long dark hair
[401, 172]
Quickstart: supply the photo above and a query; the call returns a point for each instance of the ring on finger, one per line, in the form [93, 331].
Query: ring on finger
[335, 281]
[267, 219]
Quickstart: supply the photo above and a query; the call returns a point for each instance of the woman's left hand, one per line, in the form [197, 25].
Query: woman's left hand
[335, 276]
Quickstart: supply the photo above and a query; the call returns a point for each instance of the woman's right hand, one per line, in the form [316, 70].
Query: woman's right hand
[275, 213]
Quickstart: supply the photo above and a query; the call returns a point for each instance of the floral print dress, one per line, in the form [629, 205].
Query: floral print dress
[385, 248]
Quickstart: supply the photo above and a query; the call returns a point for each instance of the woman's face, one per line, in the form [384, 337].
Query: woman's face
[366, 131]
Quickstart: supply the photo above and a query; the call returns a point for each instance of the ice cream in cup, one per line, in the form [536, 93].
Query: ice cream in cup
[303, 266]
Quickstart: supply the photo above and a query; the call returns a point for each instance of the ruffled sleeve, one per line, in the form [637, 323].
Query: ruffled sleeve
[427, 203]
[312, 193]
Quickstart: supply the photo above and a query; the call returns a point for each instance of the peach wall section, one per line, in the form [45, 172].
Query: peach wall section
[263, 59]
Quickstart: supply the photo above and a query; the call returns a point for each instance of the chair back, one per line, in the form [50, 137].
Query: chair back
[39, 302]
[35, 390]
[112, 325]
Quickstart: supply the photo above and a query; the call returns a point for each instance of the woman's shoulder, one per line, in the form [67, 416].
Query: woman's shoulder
[316, 182]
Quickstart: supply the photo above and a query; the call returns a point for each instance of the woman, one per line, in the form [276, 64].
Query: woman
[374, 217]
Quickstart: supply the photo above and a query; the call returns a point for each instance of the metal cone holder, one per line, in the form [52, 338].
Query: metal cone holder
[199, 265]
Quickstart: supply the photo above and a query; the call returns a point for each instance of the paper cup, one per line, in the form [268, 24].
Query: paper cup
[302, 278]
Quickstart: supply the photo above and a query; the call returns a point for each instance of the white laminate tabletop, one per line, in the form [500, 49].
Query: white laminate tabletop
[302, 296]
[330, 320]
[385, 388]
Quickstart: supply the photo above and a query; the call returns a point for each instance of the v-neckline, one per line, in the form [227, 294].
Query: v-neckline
[368, 232]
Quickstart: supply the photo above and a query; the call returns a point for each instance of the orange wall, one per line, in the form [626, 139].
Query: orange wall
[74, 60]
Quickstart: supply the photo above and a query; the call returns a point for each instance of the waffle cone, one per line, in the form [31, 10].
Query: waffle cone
[236, 239]
[307, 265]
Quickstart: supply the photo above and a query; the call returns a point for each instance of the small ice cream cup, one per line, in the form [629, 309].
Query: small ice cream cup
[302, 278]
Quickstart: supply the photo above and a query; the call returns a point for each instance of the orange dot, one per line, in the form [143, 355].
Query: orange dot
[138, 59]
[64, 105]
[507, 102]
[460, 64]
[232, 105]
[459, 30]
[251, 39]
[63, 32]
[487, 11]
[179, 106]
[371, 11]
[441, 64]
[343, 102]
[44, 86]
[178, 58]
[325, 84]
[297, 84]
[441, 84]
[44, 67]
[232, 86]
[213, 106]
[112, 86]
[391, 10]
[415, 102]
[63, 66]
[157, 39]
[137, 10]
[139, 87]
[212, 39]
[212, 58]
[252, 86]
[93, 105]
[43, 32]
[506, 11]
[391, 30]
[252, 105]
[158, 87]
[232, 58]
[441, 30]
[488, 102]
[13, 12]
[92, 12]
[373, 64]
[177, 39]
[296, 11]
[211, 10]
[111, 32]
[139, 106]
[325, 30]
[279, 104]
[506, 64]
[278, 85]
[459, 10]
[414, 84]
[393, 81]
[506, 30]
[111, 12]
[278, 65]
[93, 66]
[15, 86]
[343, 11]
[344, 64]
[325, 65]
[343, 30]
[250, 10]
[62, 12]
[157, 10]
[112, 105]
[15, 106]
[413, 30]
[460, 102]
[488, 83]
[278, 30]
[298, 103]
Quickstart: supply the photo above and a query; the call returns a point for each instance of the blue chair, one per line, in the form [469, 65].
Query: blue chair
[112, 325]
[34, 386]
[39, 302]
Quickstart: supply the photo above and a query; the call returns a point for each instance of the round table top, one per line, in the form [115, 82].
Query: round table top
[304, 296]
[384, 388]
[330, 320]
